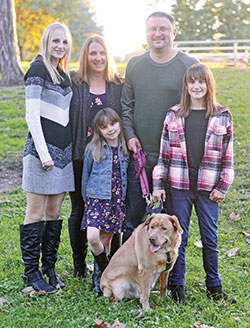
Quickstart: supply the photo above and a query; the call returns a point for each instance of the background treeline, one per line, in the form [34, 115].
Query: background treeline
[211, 19]
[32, 16]
[195, 20]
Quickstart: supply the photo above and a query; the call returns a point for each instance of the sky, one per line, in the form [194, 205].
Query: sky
[124, 22]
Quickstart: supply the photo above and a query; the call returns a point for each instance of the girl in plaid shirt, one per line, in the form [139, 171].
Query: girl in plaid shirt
[195, 167]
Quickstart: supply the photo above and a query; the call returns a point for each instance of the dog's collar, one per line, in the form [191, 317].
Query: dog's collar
[169, 260]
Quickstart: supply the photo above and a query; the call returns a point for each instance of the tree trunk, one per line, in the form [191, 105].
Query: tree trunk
[11, 71]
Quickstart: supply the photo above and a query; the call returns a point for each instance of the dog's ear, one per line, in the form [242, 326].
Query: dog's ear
[176, 223]
[147, 222]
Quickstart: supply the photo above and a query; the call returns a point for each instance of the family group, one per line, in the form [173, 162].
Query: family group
[84, 127]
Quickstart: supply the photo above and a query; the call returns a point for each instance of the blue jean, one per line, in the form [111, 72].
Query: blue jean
[180, 203]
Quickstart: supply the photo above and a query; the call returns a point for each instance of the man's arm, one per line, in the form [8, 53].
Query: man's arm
[128, 103]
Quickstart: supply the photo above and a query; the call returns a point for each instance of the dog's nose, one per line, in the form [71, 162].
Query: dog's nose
[152, 240]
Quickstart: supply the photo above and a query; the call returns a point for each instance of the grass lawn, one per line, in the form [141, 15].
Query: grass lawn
[78, 306]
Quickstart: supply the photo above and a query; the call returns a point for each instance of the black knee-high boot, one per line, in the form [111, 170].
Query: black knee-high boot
[101, 260]
[79, 245]
[100, 263]
[30, 242]
[96, 276]
[50, 244]
[115, 244]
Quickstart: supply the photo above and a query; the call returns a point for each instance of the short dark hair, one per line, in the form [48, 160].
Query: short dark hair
[162, 14]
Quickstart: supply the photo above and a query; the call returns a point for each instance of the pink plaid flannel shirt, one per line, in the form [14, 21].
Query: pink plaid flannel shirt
[216, 168]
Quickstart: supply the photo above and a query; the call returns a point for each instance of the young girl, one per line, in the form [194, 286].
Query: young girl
[196, 165]
[104, 184]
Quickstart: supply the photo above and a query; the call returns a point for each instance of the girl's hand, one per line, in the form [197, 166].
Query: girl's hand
[159, 195]
[217, 196]
[48, 166]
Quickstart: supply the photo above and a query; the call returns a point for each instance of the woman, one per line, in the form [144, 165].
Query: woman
[47, 161]
[96, 86]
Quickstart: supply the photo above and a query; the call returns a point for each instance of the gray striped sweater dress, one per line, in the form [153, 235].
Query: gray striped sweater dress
[47, 115]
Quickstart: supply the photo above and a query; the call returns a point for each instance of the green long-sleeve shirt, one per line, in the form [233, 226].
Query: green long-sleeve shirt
[150, 89]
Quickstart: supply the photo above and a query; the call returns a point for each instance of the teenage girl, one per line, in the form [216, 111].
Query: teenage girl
[47, 158]
[104, 184]
[196, 166]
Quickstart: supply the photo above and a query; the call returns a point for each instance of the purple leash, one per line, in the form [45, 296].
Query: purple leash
[140, 161]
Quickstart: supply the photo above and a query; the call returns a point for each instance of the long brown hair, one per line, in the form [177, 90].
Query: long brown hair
[83, 72]
[198, 72]
[103, 117]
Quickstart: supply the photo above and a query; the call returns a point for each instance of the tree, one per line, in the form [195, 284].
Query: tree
[232, 18]
[188, 20]
[33, 17]
[31, 22]
[10, 67]
[211, 19]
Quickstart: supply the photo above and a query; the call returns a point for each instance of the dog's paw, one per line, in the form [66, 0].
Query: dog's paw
[146, 308]
[113, 299]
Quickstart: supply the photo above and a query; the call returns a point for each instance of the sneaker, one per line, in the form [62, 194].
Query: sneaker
[178, 294]
[216, 293]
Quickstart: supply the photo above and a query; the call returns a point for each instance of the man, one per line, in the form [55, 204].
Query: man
[153, 84]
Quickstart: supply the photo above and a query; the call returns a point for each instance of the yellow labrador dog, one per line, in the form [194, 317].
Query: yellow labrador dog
[134, 269]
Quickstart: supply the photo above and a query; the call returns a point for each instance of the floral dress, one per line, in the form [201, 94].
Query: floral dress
[107, 215]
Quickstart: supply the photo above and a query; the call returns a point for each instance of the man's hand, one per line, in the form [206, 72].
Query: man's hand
[217, 196]
[159, 195]
[134, 144]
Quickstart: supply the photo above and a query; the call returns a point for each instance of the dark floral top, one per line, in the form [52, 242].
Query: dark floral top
[97, 102]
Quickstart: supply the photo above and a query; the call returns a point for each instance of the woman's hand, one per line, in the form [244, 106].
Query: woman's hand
[217, 196]
[159, 195]
[48, 166]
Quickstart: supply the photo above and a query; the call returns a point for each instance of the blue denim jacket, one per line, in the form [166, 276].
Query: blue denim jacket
[97, 177]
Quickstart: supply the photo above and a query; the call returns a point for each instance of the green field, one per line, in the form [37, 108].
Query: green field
[78, 306]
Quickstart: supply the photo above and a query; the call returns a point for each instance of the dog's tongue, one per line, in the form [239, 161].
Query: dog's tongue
[155, 248]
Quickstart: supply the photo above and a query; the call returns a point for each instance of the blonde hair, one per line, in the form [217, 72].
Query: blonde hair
[83, 72]
[198, 72]
[63, 62]
[103, 117]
